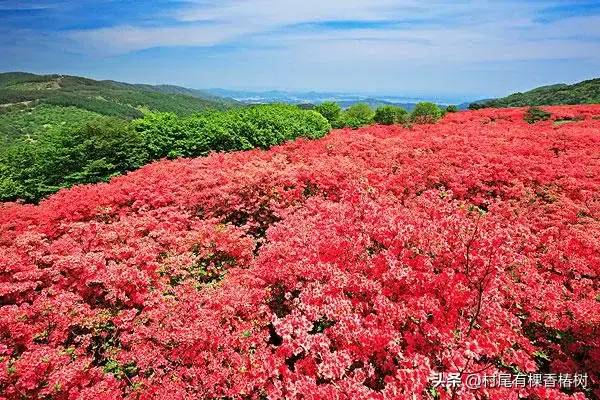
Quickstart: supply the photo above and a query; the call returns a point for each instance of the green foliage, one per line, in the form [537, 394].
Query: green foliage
[73, 97]
[586, 92]
[355, 116]
[28, 123]
[330, 110]
[167, 135]
[535, 114]
[476, 106]
[61, 158]
[105, 147]
[388, 115]
[451, 108]
[426, 113]
[120, 371]
[99, 106]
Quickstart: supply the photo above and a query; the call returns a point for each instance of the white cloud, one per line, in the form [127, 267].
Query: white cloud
[208, 24]
[123, 39]
[465, 31]
[270, 13]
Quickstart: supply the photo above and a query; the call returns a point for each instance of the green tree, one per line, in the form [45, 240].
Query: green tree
[535, 114]
[162, 134]
[451, 108]
[330, 110]
[426, 113]
[61, 158]
[106, 147]
[263, 126]
[388, 115]
[356, 115]
[476, 106]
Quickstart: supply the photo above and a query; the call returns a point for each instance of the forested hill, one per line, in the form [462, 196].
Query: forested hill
[586, 92]
[30, 103]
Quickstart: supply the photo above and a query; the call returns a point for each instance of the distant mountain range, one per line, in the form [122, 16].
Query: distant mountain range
[585, 92]
[312, 97]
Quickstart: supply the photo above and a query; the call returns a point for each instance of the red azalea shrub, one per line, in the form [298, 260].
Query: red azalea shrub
[350, 267]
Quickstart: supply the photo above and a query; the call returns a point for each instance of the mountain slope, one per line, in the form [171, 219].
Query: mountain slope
[585, 92]
[105, 97]
[31, 103]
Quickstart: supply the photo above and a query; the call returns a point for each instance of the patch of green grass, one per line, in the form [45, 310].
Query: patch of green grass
[560, 122]
[29, 123]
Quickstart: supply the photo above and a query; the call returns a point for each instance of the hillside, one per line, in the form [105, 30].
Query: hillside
[101, 149]
[30, 103]
[359, 265]
[586, 92]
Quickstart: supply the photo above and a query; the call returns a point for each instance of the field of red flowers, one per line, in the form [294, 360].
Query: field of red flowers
[350, 267]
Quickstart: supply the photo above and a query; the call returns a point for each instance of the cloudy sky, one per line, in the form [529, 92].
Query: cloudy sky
[448, 48]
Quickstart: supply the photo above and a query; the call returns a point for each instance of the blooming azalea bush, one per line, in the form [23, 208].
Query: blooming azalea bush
[350, 267]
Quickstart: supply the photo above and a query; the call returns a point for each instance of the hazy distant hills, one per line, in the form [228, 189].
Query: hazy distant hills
[312, 97]
[586, 92]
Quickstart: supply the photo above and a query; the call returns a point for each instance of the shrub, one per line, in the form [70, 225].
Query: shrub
[476, 106]
[260, 126]
[106, 147]
[451, 108]
[355, 116]
[388, 115]
[330, 110]
[535, 114]
[426, 113]
[163, 134]
[352, 267]
[95, 152]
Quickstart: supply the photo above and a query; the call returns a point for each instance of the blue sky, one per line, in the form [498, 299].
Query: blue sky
[453, 49]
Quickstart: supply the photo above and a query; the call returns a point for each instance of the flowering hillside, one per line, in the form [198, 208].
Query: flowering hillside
[356, 266]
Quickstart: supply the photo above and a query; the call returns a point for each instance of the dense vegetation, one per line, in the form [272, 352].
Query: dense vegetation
[94, 152]
[361, 114]
[103, 148]
[586, 92]
[60, 146]
[535, 114]
[389, 115]
[57, 99]
[28, 123]
[355, 266]
[355, 116]
[167, 135]
[426, 113]
[330, 110]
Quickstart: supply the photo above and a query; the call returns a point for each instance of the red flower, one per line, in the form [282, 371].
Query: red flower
[349, 267]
